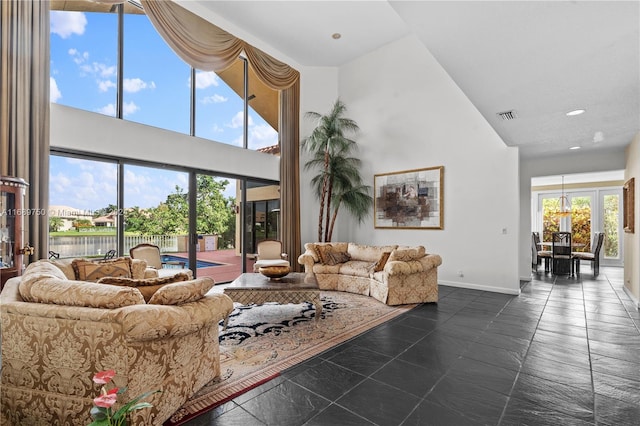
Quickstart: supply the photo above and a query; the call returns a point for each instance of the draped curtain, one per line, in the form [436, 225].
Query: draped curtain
[208, 47]
[24, 109]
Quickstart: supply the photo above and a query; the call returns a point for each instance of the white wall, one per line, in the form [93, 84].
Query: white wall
[573, 162]
[412, 115]
[79, 130]
[632, 241]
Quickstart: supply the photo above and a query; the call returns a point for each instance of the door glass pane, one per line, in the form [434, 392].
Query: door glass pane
[611, 213]
[581, 222]
[550, 218]
[82, 206]
[156, 210]
[216, 228]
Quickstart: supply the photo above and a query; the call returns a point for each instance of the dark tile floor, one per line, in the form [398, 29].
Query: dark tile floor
[564, 352]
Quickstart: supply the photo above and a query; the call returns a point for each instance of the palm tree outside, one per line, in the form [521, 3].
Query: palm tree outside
[338, 182]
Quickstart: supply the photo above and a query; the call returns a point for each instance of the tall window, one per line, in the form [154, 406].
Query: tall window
[156, 83]
[84, 60]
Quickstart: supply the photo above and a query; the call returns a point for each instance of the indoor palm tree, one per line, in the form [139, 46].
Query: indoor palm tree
[338, 181]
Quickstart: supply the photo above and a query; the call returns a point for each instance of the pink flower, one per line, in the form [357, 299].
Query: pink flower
[106, 401]
[104, 377]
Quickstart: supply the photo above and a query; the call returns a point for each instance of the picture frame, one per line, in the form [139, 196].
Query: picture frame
[628, 206]
[409, 199]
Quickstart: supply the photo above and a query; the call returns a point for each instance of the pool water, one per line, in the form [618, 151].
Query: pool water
[199, 263]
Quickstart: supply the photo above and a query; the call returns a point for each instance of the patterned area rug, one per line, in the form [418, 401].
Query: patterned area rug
[261, 341]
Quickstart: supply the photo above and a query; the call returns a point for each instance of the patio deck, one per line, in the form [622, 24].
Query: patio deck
[229, 270]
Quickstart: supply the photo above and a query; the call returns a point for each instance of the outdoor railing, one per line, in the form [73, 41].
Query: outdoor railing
[86, 245]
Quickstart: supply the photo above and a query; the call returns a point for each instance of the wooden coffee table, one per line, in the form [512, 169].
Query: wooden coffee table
[255, 288]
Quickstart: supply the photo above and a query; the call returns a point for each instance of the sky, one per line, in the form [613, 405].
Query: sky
[156, 92]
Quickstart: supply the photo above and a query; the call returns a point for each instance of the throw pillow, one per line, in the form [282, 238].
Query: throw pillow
[379, 265]
[87, 270]
[340, 256]
[183, 292]
[324, 254]
[148, 286]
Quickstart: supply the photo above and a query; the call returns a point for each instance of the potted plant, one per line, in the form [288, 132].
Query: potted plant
[338, 182]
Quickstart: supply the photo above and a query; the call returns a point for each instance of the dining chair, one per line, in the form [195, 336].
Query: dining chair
[592, 256]
[537, 254]
[562, 260]
[269, 253]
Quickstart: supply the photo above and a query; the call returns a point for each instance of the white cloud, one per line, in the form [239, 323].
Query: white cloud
[129, 108]
[93, 183]
[54, 92]
[133, 85]
[109, 110]
[104, 85]
[216, 129]
[65, 24]
[262, 135]
[78, 58]
[215, 99]
[237, 120]
[206, 79]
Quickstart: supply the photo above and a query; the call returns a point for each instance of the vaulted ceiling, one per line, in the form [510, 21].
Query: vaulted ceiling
[537, 59]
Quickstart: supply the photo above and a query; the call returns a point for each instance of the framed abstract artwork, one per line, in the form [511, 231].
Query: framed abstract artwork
[410, 199]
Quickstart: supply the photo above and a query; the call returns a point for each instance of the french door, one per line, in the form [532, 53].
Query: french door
[591, 211]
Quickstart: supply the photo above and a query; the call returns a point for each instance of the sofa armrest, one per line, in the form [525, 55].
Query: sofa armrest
[425, 263]
[431, 261]
[150, 322]
[307, 260]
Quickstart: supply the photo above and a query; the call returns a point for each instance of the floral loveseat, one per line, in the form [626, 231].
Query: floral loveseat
[392, 274]
[57, 333]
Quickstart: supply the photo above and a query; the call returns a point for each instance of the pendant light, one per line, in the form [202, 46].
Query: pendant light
[564, 203]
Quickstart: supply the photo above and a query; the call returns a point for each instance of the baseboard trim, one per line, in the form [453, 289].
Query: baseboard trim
[631, 296]
[481, 287]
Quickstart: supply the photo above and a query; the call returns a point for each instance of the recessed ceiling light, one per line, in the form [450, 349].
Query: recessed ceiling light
[575, 147]
[575, 112]
[336, 36]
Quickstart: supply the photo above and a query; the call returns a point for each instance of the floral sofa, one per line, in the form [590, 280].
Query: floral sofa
[392, 274]
[58, 332]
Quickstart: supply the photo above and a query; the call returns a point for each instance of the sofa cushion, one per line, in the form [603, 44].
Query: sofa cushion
[43, 282]
[182, 292]
[366, 252]
[87, 270]
[147, 286]
[356, 268]
[319, 268]
[65, 266]
[406, 254]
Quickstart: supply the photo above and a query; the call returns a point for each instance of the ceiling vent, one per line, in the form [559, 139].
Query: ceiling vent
[508, 115]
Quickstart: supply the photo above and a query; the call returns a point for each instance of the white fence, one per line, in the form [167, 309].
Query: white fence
[88, 245]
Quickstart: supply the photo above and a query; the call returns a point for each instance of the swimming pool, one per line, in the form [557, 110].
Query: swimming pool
[199, 263]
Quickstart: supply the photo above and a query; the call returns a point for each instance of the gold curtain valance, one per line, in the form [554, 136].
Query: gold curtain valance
[205, 46]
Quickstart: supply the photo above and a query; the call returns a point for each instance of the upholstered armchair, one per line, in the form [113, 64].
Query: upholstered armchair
[57, 333]
[270, 254]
